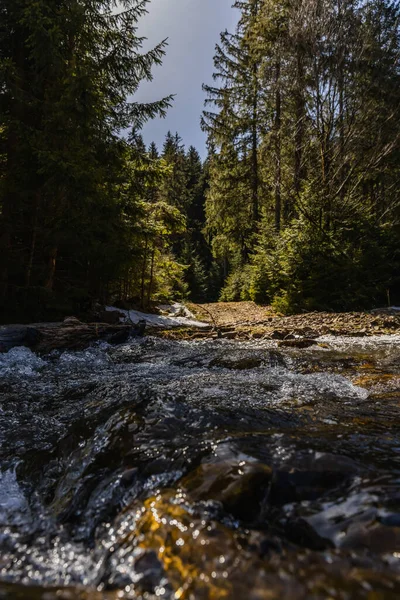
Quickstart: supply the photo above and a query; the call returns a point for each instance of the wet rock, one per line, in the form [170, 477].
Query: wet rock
[200, 558]
[119, 338]
[361, 333]
[240, 486]
[129, 476]
[71, 322]
[298, 486]
[309, 477]
[297, 343]
[377, 381]
[111, 317]
[139, 328]
[278, 335]
[264, 545]
[391, 520]
[242, 361]
[9, 591]
[18, 335]
[301, 533]
[122, 336]
[236, 363]
[372, 536]
[149, 573]
[126, 354]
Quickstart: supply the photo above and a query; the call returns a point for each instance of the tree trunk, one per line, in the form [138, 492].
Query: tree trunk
[299, 135]
[278, 149]
[51, 268]
[150, 289]
[144, 266]
[5, 247]
[9, 196]
[254, 151]
[34, 239]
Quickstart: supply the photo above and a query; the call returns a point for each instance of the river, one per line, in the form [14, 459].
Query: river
[201, 470]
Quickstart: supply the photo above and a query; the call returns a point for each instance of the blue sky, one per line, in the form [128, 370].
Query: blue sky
[192, 28]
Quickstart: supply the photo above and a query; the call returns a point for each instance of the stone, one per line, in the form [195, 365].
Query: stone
[277, 335]
[71, 322]
[299, 343]
[111, 317]
[301, 533]
[239, 486]
[18, 335]
[239, 364]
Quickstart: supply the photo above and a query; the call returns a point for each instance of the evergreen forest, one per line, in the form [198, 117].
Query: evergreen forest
[297, 203]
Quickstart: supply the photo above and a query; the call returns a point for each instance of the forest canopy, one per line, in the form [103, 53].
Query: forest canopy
[296, 204]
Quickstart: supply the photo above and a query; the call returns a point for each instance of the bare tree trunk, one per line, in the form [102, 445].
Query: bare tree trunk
[5, 247]
[51, 268]
[34, 239]
[144, 272]
[299, 134]
[342, 166]
[278, 148]
[254, 150]
[150, 289]
[10, 198]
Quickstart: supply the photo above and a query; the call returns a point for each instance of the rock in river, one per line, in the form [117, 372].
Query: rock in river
[18, 335]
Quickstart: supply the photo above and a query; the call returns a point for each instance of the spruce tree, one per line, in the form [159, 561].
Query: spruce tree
[69, 71]
[196, 253]
[327, 148]
[234, 128]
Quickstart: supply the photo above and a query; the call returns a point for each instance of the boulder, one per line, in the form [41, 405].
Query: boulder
[299, 343]
[238, 485]
[112, 317]
[18, 335]
[71, 322]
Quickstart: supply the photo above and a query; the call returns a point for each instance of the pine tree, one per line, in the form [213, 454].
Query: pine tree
[332, 136]
[196, 253]
[174, 190]
[234, 128]
[327, 138]
[68, 70]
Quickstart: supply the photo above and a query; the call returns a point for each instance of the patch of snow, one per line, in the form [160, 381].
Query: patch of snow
[175, 310]
[385, 309]
[161, 321]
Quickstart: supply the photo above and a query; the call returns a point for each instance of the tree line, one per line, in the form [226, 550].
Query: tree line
[87, 212]
[303, 125]
[296, 204]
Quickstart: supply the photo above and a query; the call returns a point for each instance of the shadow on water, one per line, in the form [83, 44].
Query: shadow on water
[213, 469]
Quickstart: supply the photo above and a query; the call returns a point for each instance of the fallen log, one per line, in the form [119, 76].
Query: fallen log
[69, 335]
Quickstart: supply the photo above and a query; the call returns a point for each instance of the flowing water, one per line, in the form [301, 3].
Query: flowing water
[201, 470]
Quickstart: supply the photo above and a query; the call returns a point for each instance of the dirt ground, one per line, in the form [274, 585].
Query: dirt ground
[231, 313]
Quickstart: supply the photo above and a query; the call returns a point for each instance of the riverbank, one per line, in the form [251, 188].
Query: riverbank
[246, 321]
[230, 320]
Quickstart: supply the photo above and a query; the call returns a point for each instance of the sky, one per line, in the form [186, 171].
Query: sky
[192, 28]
